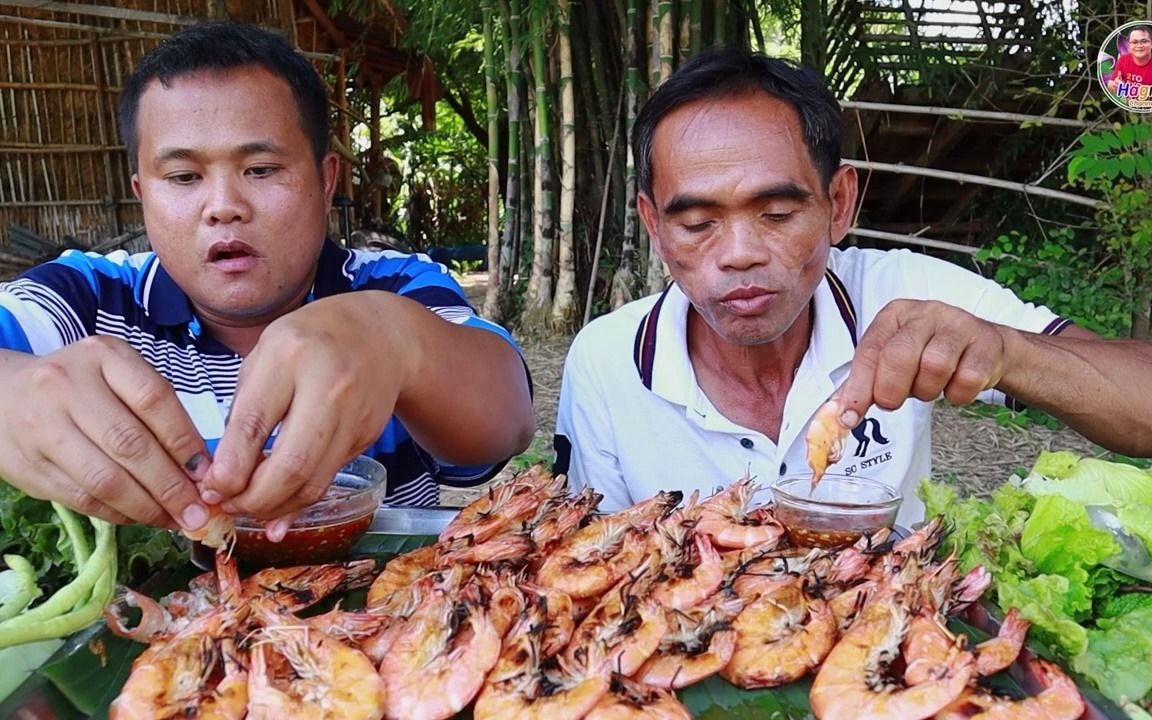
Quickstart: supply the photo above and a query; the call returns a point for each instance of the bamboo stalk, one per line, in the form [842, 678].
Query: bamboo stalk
[113, 33]
[977, 180]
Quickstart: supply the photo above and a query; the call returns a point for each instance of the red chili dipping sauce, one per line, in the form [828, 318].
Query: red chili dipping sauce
[325, 532]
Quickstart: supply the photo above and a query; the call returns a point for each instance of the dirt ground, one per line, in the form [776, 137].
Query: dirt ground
[973, 451]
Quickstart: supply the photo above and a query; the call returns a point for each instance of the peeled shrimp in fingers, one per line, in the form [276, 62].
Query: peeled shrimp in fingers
[630, 700]
[825, 439]
[187, 675]
[218, 533]
[852, 683]
[699, 643]
[1059, 700]
[780, 637]
[299, 672]
[729, 519]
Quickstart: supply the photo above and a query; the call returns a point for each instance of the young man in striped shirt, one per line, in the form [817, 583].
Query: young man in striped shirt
[145, 388]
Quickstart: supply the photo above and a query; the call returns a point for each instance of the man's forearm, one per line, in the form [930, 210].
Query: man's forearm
[1097, 387]
[467, 401]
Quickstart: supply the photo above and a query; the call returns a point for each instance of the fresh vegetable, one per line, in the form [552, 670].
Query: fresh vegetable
[74, 564]
[1046, 557]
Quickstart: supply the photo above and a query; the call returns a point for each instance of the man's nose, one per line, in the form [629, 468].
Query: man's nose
[225, 201]
[741, 247]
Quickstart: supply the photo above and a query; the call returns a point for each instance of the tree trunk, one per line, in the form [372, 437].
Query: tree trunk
[538, 302]
[624, 281]
[665, 43]
[492, 300]
[513, 200]
[565, 309]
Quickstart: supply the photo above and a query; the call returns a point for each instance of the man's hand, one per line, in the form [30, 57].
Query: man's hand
[96, 428]
[327, 376]
[922, 349]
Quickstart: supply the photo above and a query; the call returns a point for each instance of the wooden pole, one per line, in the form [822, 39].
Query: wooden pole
[914, 240]
[967, 114]
[977, 180]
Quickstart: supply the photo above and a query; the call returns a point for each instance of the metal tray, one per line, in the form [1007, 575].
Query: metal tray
[402, 520]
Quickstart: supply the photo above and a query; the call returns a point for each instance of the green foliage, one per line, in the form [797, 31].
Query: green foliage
[1117, 164]
[538, 453]
[1067, 271]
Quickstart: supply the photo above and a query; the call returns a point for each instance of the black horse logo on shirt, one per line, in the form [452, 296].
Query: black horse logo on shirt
[861, 432]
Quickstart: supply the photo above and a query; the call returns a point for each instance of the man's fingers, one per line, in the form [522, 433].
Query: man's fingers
[153, 400]
[259, 404]
[856, 392]
[978, 369]
[292, 477]
[95, 485]
[55, 484]
[938, 362]
[152, 438]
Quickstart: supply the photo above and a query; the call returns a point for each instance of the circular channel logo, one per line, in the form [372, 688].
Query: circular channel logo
[1124, 66]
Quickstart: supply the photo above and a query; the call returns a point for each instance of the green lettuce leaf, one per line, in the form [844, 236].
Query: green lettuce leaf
[1118, 655]
[1055, 464]
[1123, 603]
[1059, 539]
[1041, 601]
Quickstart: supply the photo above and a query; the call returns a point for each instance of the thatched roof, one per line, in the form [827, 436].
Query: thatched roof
[63, 172]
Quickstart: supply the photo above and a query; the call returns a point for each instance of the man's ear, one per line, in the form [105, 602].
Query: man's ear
[842, 192]
[651, 218]
[136, 185]
[329, 172]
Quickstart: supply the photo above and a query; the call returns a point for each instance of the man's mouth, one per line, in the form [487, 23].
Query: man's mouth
[231, 250]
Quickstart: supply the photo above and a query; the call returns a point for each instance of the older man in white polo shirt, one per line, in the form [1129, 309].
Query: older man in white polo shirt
[744, 197]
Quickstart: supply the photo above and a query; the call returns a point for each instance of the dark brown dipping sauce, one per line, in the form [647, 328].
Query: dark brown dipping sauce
[831, 539]
[301, 546]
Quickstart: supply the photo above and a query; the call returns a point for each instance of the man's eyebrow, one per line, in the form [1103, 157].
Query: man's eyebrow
[250, 148]
[784, 191]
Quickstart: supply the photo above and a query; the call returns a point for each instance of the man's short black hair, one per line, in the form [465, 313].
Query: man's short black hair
[1142, 28]
[732, 72]
[219, 46]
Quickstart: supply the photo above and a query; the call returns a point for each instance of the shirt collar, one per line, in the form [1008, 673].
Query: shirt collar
[663, 340]
[167, 304]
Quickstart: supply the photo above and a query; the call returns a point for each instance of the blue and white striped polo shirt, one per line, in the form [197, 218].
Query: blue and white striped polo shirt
[132, 297]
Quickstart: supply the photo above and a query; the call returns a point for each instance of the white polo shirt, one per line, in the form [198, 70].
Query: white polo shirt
[633, 421]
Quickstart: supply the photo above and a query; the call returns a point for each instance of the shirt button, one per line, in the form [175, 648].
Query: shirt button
[746, 443]
[783, 468]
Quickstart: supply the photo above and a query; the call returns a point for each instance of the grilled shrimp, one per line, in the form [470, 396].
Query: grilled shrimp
[851, 682]
[174, 678]
[628, 627]
[780, 637]
[300, 672]
[440, 657]
[729, 520]
[1059, 700]
[520, 687]
[630, 700]
[699, 643]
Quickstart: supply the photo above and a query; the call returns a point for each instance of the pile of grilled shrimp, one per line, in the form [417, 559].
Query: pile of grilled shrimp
[531, 604]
